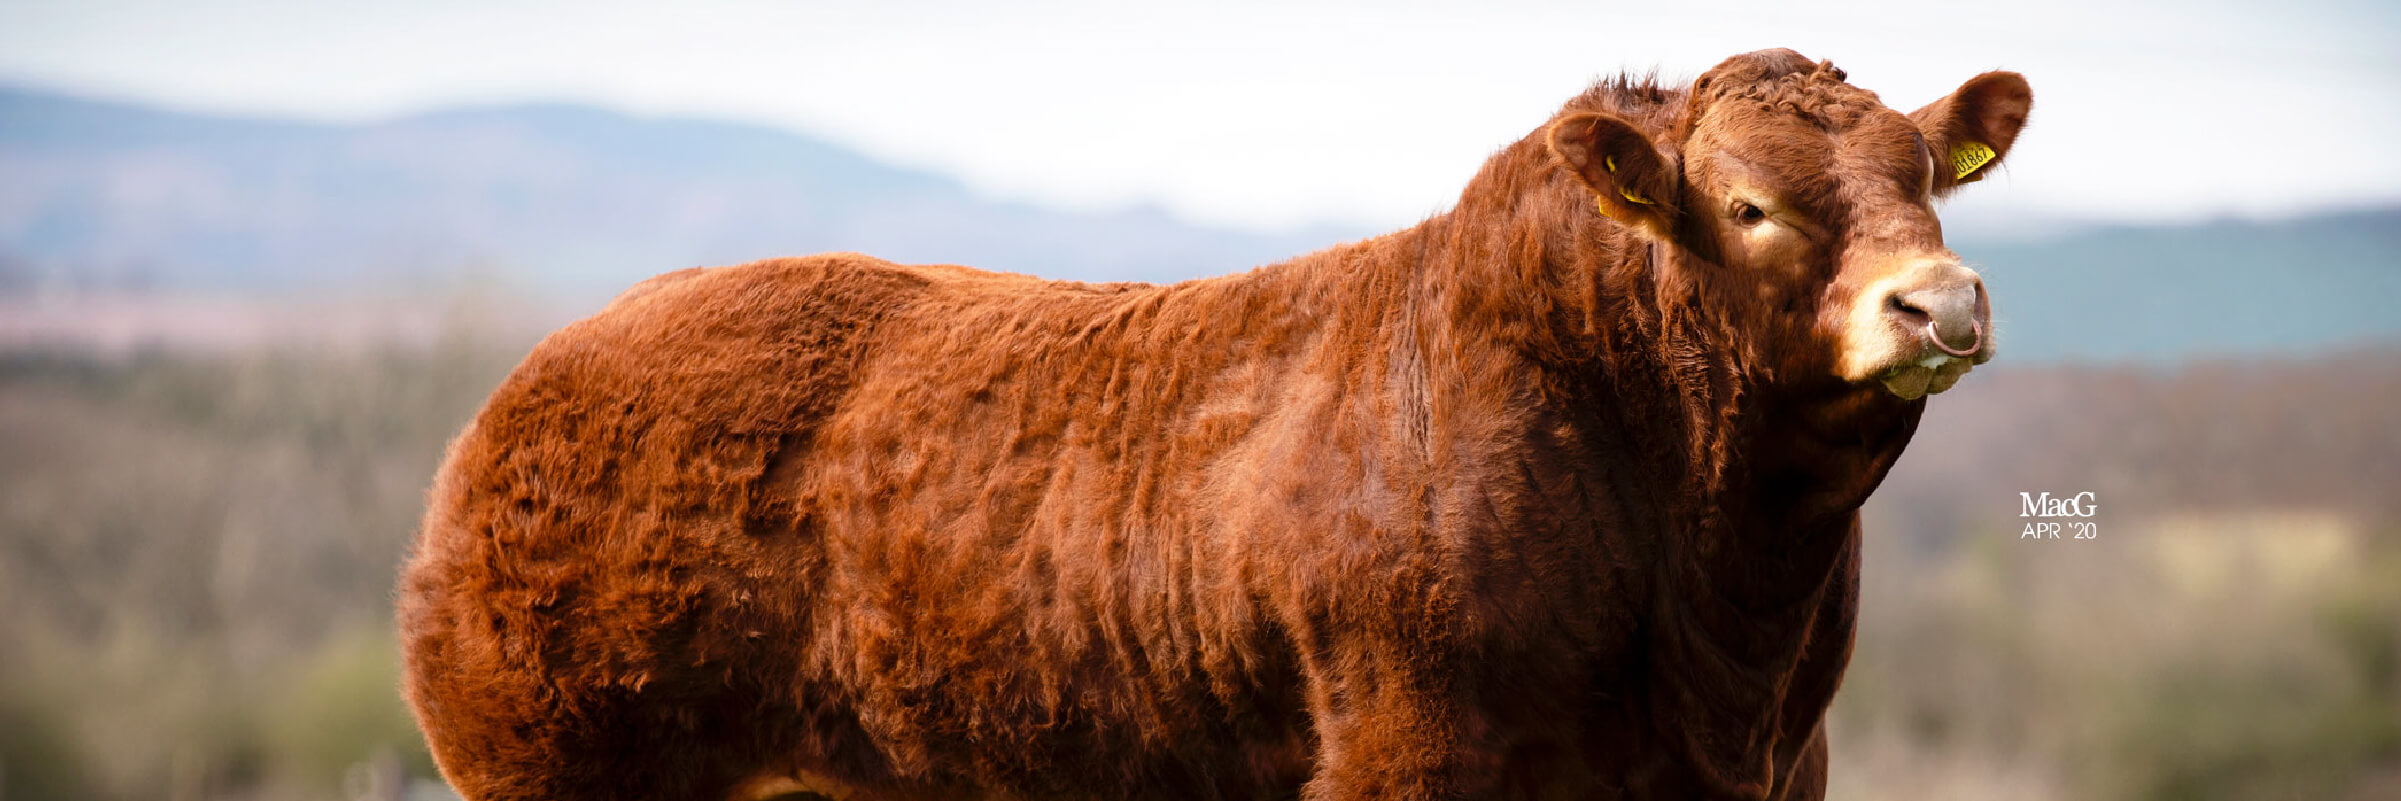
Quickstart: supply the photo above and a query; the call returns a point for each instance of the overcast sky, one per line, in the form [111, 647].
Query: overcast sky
[1283, 113]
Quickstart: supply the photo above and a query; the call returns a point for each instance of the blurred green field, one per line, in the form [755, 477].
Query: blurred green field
[197, 553]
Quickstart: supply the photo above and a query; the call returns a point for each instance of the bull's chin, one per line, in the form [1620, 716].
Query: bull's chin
[1918, 380]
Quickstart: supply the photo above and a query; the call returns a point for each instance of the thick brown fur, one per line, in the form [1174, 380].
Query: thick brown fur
[1524, 501]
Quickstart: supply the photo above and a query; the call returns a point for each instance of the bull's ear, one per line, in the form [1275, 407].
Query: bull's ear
[1631, 180]
[1971, 130]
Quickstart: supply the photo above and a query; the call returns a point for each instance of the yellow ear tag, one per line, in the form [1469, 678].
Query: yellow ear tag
[1611, 163]
[1968, 157]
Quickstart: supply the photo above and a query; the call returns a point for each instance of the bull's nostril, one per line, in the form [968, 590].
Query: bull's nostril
[1895, 303]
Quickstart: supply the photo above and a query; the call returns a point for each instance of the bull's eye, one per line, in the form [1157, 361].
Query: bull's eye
[1748, 214]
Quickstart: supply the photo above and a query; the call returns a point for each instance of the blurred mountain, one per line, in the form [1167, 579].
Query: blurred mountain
[2280, 287]
[114, 196]
[571, 201]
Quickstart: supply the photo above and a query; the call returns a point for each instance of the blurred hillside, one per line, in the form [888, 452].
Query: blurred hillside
[111, 197]
[2215, 288]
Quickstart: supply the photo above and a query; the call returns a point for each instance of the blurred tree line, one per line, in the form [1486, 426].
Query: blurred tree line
[196, 559]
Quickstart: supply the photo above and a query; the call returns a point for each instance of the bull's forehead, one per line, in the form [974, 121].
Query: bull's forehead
[1812, 160]
[1883, 147]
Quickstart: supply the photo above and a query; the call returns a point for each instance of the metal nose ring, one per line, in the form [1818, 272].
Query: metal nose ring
[1974, 328]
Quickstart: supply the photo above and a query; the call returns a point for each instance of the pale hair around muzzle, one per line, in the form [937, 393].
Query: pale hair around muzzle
[1918, 329]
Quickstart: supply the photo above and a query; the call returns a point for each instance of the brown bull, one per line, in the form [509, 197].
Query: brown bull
[1553, 495]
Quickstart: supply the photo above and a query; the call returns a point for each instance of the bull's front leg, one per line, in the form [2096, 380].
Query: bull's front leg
[1807, 781]
[1389, 725]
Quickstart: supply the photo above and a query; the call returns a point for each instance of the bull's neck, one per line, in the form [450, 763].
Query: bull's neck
[1743, 486]
[1529, 286]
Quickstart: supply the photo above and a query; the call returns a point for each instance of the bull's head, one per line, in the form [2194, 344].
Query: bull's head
[1802, 209]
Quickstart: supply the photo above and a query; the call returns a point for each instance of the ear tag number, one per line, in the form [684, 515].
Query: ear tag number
[1968, 157]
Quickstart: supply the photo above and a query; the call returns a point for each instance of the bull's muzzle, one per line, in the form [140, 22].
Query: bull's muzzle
[1955, 313]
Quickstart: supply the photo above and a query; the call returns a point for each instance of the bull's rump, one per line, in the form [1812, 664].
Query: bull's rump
[891, 512]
